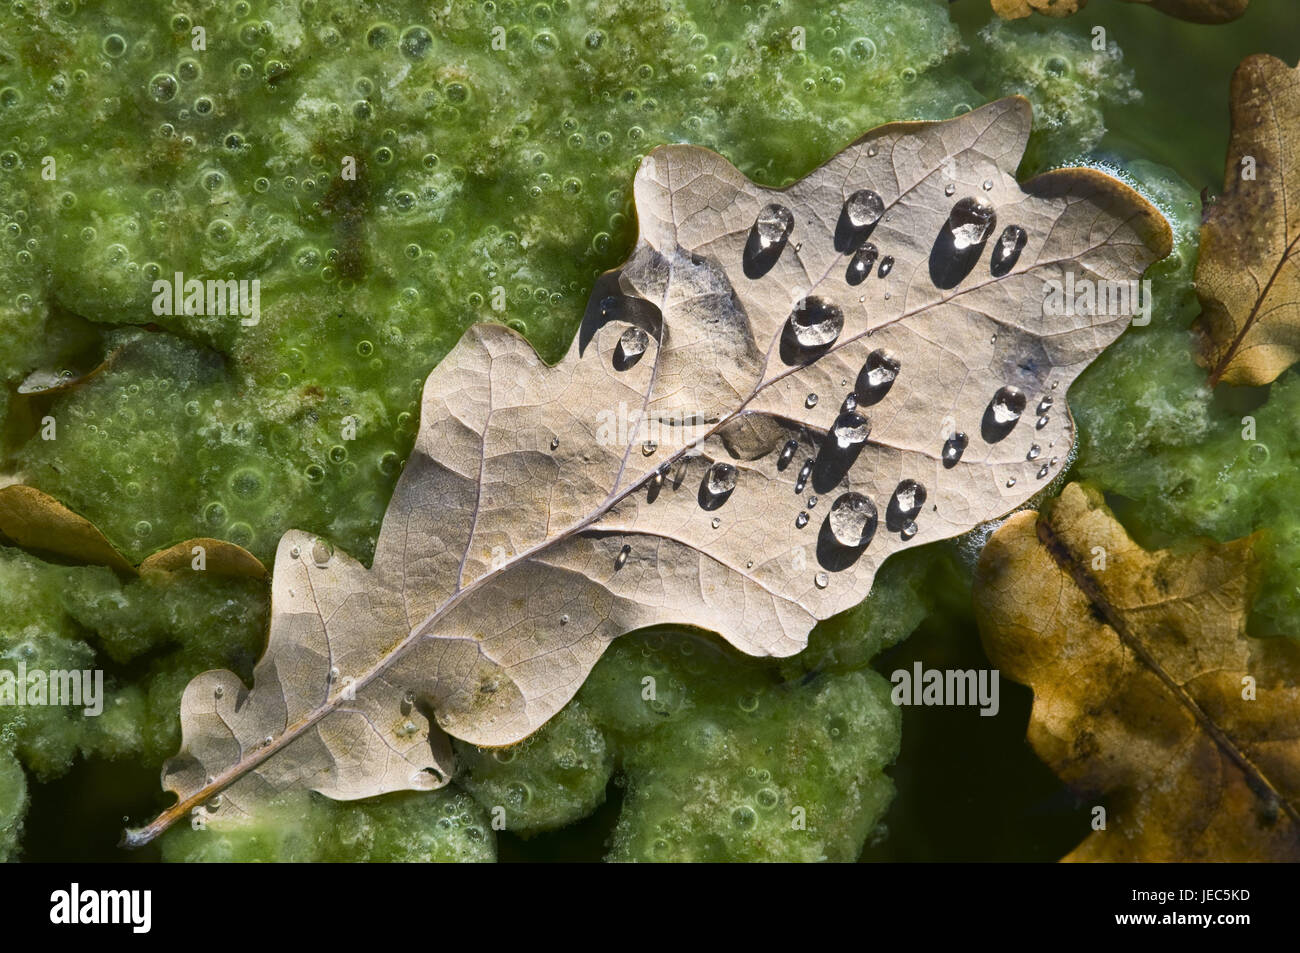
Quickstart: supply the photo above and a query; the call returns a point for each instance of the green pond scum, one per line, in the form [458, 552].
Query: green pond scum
[494, 144]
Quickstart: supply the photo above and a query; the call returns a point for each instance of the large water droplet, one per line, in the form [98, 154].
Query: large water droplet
[864, 208]
[1008, 405]
[850, 430]
[970, 221]
[816, 323]
[864, 259]
[721, 479]
[773, 225]
[852, 519]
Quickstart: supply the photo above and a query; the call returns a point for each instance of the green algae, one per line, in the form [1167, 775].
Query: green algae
[227, 162]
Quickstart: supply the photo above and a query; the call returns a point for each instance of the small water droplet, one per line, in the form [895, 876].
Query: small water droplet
[877, 375]
[908, 530]
[1011, 481]
[801, 481]
[621, 558]
[864, 259]
[774, 224]
[716, 522]
[810, 401]
[970, 221]
[321, 552]
[749, 564]
[721, 479]
[787, 454]
[1052, 462]
[218, 691]
[802, 519]
[1042, 471]
[1007, 251]
[649, 447]
[822, 580]
[564, 619]
[1033, 453]
[886, 266]
[1045, 405]
[295, 552]
[631, 345]
[812, 501]
[1042, 422]
[953, 448]
[850, 403]
[852, 519]
[871, 152]
[950, 190]
[864, 208]
[909, 497]
[850, 430]
[555, 442]
[988, 185]
[334, 674]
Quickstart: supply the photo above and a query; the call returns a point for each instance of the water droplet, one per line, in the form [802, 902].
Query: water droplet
[621, 559]
[810, 401]
[1011, 481]
[850, 430]
[649, 447]
[295, 552]
[970, 221]
[812, 501]
[988, 185]
[816, 323]
[1033, 453]
[908, 530]
[321, 552]
[1042, 422]
[749, 564]
[1007, 251]
[721, 479]
[1053, 461]
[774, 224]
[801, 481]
[1042, 471]
[822, 580]
[716, 522]
[886, 266]
[864, 208]
[953, 448]
[871, 152]
[801, 520]
[850, 403]
[218, 691]
[852, 519]
[787, 454]
[877, 376]
[950, 190]
[631, 345]
[1008, 405]
[909, 497]
[864, 259]
[555, 442]
[564, 619]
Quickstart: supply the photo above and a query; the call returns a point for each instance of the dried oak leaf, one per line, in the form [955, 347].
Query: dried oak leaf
[1147, 691]
[533, 524]
[1248, 274]
[1197, 11]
